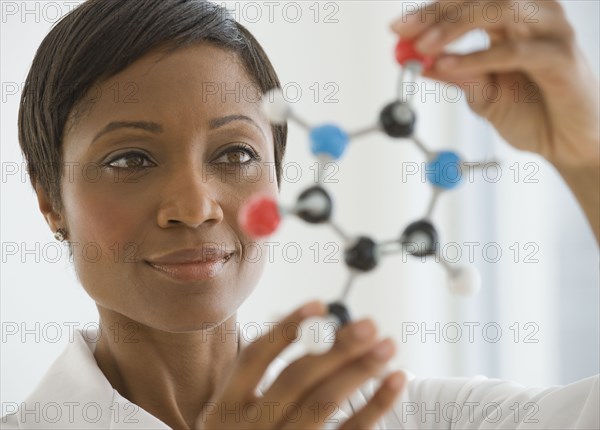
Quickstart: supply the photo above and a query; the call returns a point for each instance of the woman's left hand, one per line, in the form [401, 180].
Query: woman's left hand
[533, 83]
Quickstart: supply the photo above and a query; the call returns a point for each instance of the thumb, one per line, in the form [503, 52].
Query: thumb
[473, 87]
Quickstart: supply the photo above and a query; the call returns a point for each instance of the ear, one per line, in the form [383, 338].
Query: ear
[53, 218]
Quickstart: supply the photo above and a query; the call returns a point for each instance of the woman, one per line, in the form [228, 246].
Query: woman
[163, 357]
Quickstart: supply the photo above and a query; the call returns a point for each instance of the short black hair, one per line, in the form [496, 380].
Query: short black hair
[100, 38]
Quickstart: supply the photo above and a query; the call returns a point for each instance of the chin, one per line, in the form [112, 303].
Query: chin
[192, 314]
[178, 307]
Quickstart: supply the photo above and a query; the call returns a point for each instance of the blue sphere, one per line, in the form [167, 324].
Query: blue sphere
[444, 170]
[328, 139]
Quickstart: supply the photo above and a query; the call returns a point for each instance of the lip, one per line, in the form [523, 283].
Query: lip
[202, 254]
[191, 271]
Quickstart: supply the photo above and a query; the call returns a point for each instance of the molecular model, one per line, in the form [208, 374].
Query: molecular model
[261, 215]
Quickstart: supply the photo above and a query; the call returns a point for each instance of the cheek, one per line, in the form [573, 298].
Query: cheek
[105, 228]
[102, 218]
[254, 254]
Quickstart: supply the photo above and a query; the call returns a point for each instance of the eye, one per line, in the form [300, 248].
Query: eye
[237, 154]
[137, 164]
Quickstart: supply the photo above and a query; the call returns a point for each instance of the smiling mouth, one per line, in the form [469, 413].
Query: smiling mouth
[192, 271]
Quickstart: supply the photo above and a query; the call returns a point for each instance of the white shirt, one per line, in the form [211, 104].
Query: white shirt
[75, 394]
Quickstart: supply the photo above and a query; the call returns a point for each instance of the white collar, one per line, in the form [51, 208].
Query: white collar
[74, 393]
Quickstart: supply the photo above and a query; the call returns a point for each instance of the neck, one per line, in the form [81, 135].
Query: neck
[170, 375]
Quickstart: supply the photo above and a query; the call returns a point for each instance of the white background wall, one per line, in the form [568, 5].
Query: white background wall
[347, 52]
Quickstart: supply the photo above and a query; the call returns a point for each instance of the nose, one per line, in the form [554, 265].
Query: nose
[189, 199]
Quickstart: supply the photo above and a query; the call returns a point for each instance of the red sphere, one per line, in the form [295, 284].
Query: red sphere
[259, 216]
[405, 52]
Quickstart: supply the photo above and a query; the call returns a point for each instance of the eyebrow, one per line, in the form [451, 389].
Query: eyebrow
[156, 128]
[152, 127]
[220, 122]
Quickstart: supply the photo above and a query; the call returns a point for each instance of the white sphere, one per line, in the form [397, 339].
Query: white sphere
[274, 106]
[318, 334]
[464, 281]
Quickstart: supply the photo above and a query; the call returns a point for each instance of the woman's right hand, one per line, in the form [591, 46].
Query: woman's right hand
[312, 387]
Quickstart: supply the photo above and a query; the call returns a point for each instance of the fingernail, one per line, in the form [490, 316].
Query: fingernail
[428, 41]
[395, 381]
[363, 329]
[311, 308]
[407, 20]
[446, 63]
[384, 349]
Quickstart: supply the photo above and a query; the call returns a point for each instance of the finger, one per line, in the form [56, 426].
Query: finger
[546, 60]
[295, 381]
[496, 36]
[379, 404]
[456, 19]
[439, 24]
[416, 20]
[320, 404]
[517, 19]
[452, 77]
[253, 361]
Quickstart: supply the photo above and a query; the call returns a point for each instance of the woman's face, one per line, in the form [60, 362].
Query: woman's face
[198, 131]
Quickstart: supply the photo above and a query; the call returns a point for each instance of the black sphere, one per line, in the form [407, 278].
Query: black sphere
[398, 119]
[362, 255]
[340, 311]
[420, 228]
[317, 215]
